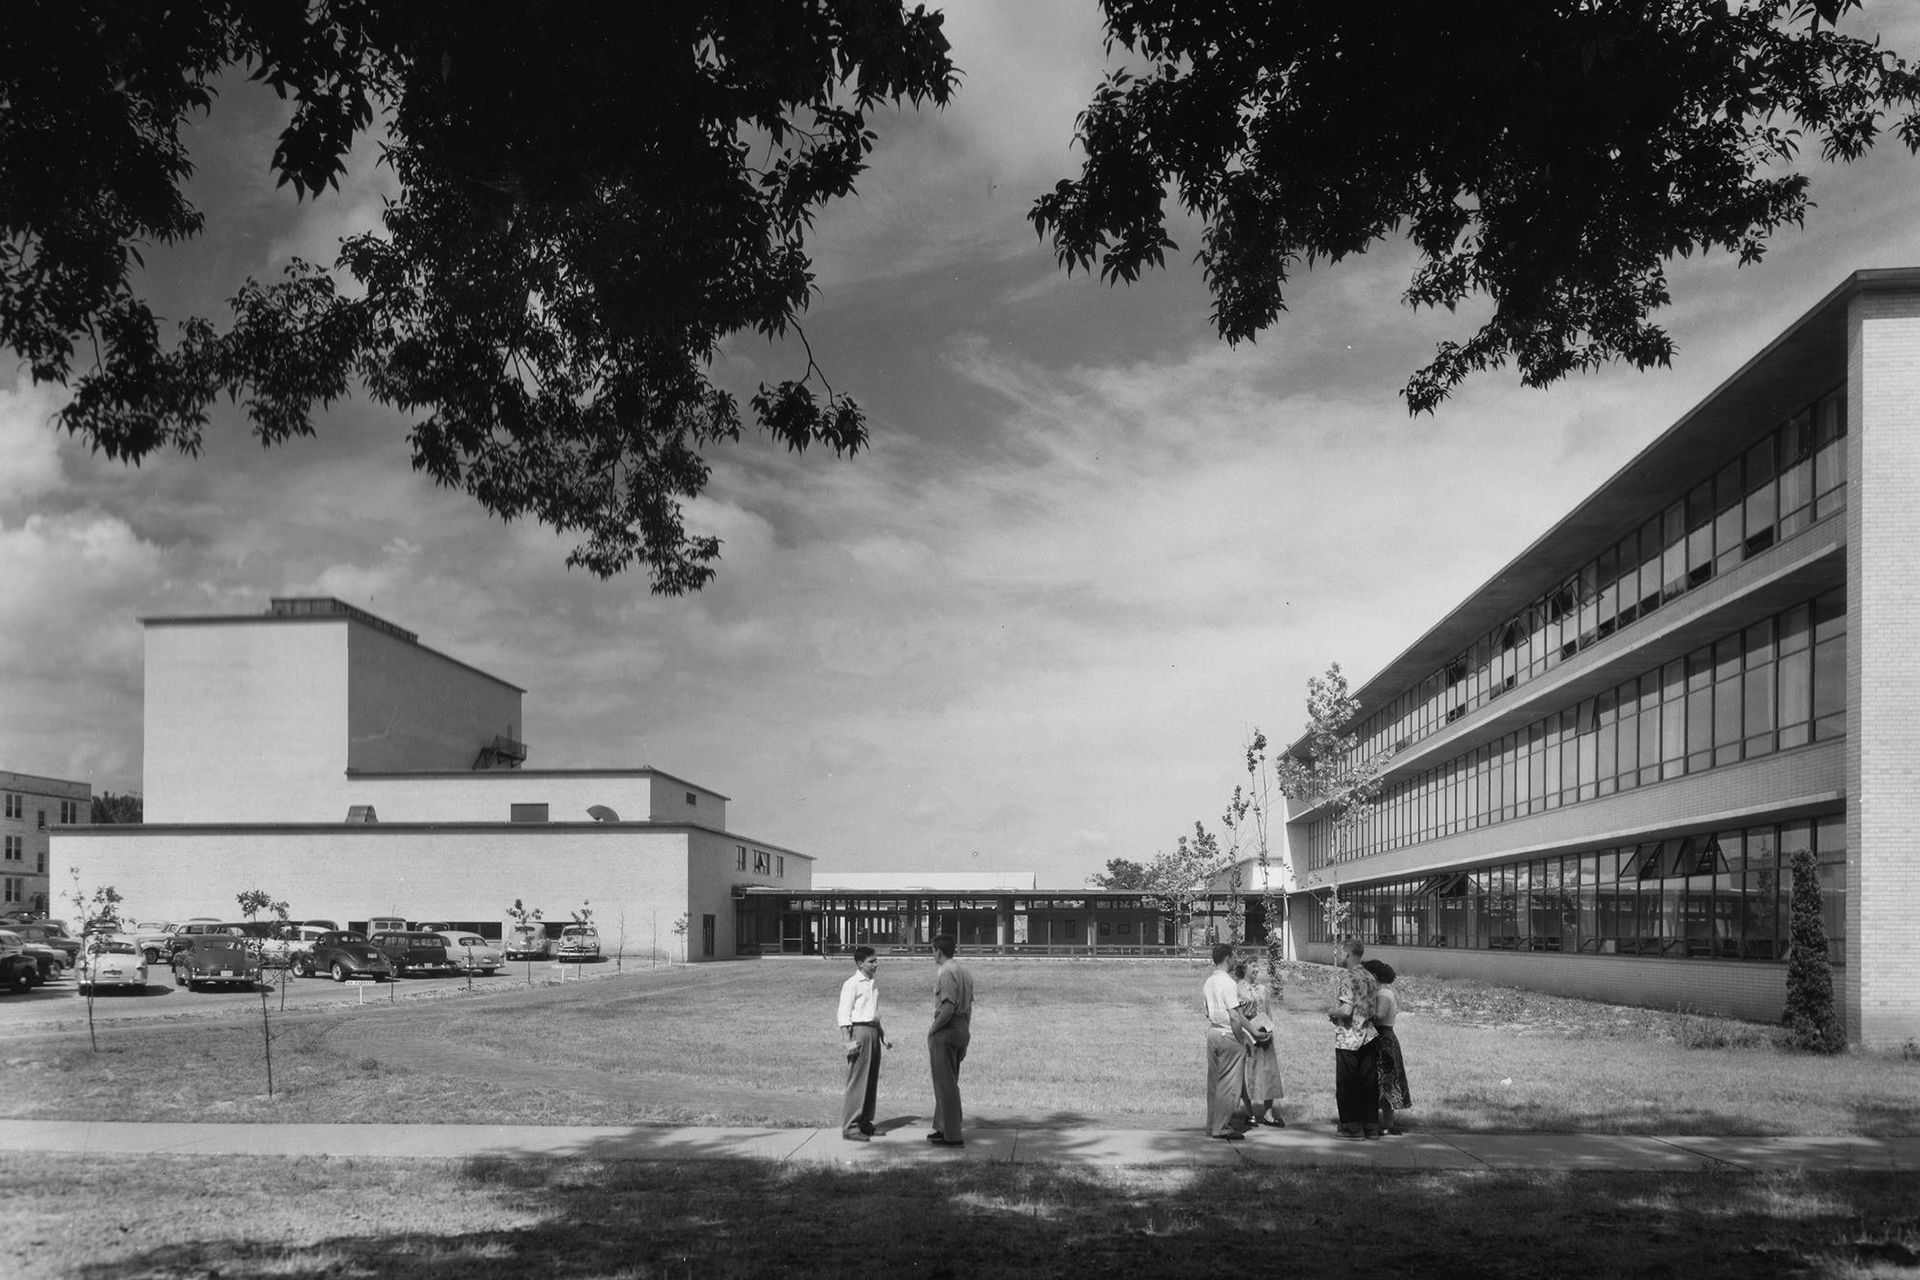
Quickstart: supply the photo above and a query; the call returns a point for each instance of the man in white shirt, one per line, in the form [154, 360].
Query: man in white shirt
[860, 1019]
[1225, 1053]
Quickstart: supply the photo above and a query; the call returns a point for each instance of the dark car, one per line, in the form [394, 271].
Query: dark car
[344, 954]
[55, 938]
[414, 952]
[216, 959]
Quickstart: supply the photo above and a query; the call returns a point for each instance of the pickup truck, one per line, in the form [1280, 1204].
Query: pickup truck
[414, 953]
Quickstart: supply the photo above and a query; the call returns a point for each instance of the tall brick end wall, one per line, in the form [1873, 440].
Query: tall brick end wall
[1881, 986]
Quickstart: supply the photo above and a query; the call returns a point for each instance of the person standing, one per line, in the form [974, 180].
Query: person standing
[1395, 1093]
[1261, 1084]
[1226, 1057]
[860, 1019]
[947, 1041]
[1356, 1051]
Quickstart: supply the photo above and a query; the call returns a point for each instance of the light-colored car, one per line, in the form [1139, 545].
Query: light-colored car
[154, 938]
[578, 942]
[471, 952]
[528, 942]
[115, 961]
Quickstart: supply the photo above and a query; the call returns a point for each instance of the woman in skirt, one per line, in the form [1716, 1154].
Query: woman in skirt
[1395, 1095]
[1260, 1088]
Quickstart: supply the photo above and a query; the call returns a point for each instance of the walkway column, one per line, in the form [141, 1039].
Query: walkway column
[1881, 990]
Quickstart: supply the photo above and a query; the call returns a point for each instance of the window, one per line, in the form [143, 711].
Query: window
[740, 857]
[16, 889]
[692, 798]
[14, 853]
[69, 812]
[762, 862]
[13, 805]
[43, 819]
[706, 936]
[527, 813]
[780, 865]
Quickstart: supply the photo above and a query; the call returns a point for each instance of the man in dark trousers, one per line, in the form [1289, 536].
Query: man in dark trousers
[947, 1041]
[860, 1019]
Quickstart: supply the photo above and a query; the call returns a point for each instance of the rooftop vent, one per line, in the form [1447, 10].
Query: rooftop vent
[362, 813]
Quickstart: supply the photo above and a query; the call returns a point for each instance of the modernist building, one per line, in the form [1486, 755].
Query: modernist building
[34, 807]
[328, 757]
[1602, 762]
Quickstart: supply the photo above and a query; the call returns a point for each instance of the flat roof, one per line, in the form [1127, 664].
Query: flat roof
[293, 610]
[643, 771]
[1806, 360]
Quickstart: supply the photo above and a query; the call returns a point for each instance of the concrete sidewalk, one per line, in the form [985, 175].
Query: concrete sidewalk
[1299, 1147]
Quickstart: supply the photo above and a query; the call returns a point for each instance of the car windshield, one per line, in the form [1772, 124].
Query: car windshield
[119, 948]
[222, 943]
[345, 935]
[469, 940]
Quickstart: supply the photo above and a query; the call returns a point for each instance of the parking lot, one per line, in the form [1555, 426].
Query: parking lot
[59, 1003]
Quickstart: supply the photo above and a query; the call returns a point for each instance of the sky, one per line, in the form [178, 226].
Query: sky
[1090, 551]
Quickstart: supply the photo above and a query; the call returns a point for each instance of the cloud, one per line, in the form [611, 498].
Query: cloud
[30, 442]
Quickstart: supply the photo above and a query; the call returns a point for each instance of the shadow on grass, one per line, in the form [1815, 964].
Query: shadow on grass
[588, 1216]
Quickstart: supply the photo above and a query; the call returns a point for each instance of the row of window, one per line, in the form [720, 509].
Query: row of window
[16, 808]
[1777, 684]
[1723, 895]
[764, 863]
[1778, 488]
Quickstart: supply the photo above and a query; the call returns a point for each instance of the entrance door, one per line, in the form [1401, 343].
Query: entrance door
[800, 933]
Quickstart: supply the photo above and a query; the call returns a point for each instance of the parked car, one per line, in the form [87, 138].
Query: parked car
[411, 952]
[472, 953]
[579, 942]
[49, 962]
[46, 931]
[17, 970]
[343, 954]
[114, 961]
[196, 927]
[528, 942]
[386, 924]
[154, 938]
[219, 959]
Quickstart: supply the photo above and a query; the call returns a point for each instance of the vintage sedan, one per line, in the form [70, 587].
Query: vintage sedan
[415, 952]
[343, 954]
[528, 942]
[113, 962]
[17, 970]
[472, 953]
[216, 959]
[579, 942]
[48, 932]
[154, 938]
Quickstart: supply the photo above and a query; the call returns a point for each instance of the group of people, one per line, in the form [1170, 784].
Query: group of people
[1244, 1088]
[1243, 1065]
[947, 1040]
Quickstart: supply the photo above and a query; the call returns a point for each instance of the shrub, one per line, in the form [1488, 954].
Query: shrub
[1812, 1021]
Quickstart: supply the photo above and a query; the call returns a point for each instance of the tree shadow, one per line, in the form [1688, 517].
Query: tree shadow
[948, 1215]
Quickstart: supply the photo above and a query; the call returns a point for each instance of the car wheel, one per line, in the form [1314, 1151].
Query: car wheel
[339, 971]
[19, 982]
[56, 971]
[179, 979]
[489, 972]
[193, 984]
[83, 988]
[152, 955]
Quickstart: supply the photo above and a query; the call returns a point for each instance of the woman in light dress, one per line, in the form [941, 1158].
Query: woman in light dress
[1260, 1088]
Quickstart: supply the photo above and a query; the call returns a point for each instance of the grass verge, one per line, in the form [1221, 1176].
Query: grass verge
[256, 1218]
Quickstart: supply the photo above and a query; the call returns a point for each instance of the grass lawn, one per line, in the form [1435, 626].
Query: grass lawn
[303, 1219]
[1062, 1042]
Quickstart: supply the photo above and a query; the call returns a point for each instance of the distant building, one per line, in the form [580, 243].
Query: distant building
[327, 756]
[31, 809]
[1603, 760]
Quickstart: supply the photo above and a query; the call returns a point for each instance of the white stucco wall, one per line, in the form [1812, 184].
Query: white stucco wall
[449, 873]
[412, 708]
[245, 723]
[489, 796]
